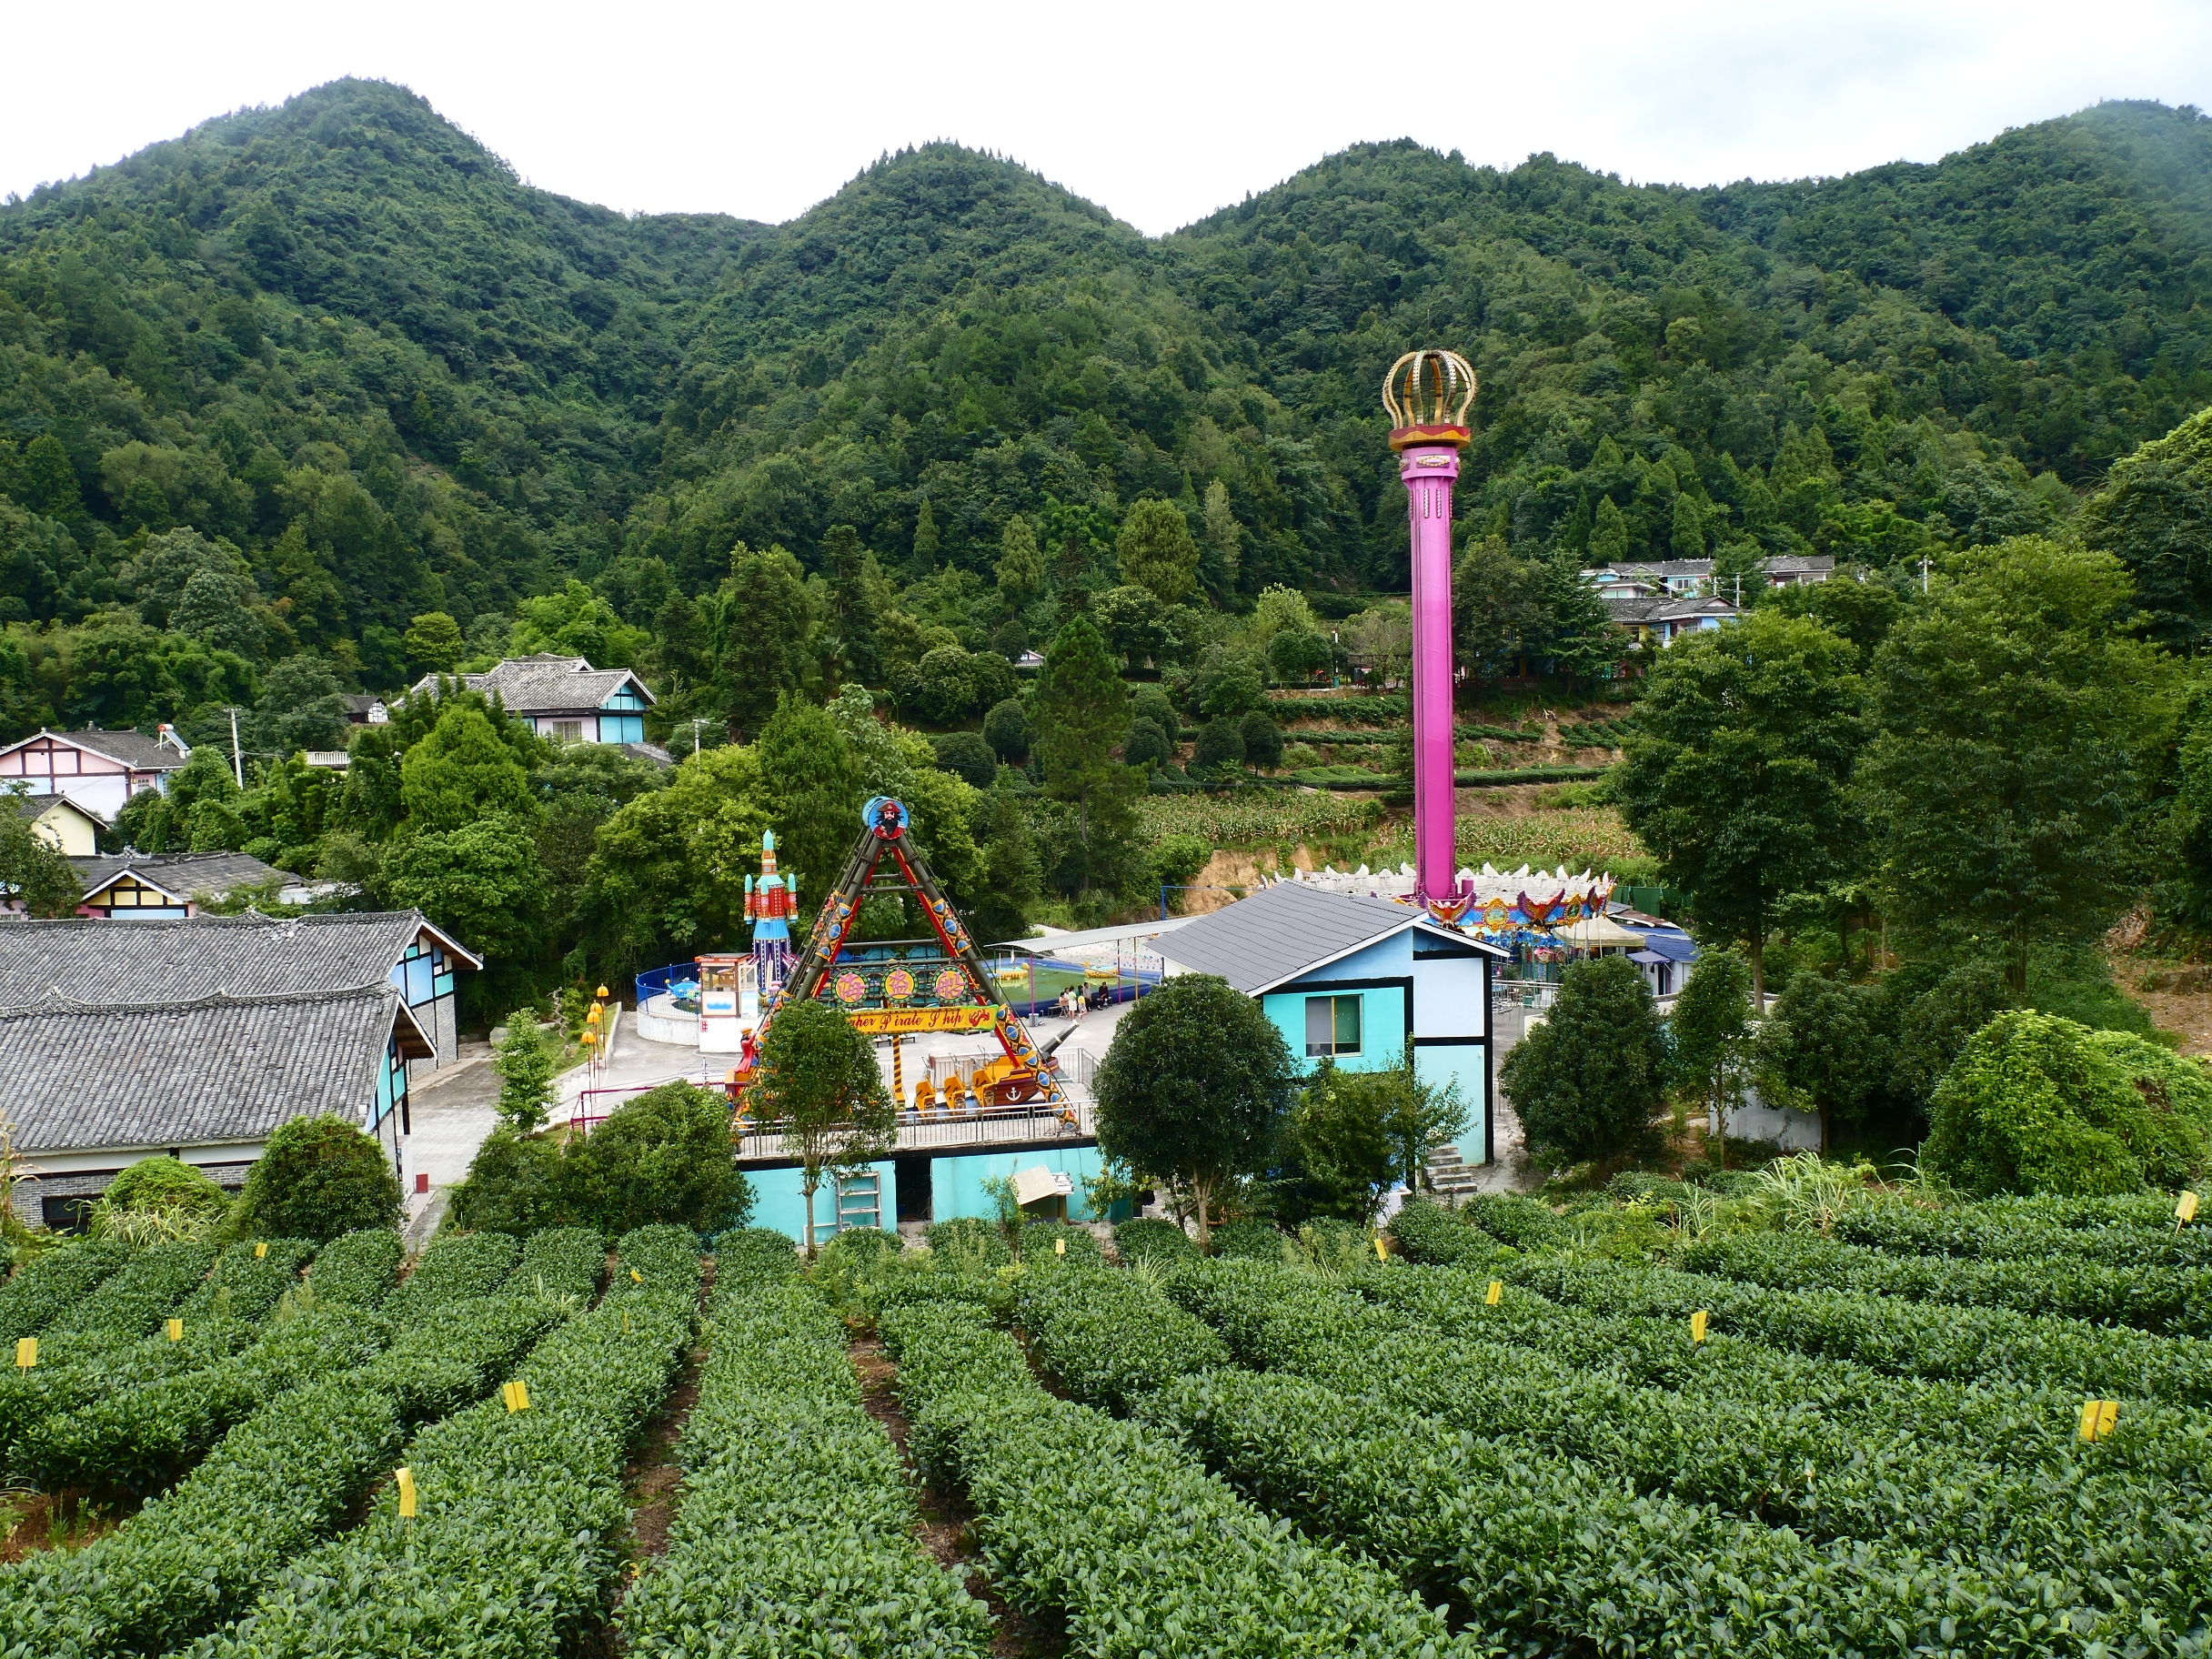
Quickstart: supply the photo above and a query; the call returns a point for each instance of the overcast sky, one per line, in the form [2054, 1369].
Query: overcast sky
[1160, 112]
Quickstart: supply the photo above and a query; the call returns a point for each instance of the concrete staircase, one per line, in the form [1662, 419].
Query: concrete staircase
[1451, 1179]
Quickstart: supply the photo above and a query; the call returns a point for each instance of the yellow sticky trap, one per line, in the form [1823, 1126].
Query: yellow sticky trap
[516, 1394]
[2099, 1418]
[1381, 1254]
[261, 1250]
[27, 1352]
[1496, 1290]
[177, 1330]
[2184, 1209]
[635, 1277]
[1060, 1247]
[1697, 1325]
[404, 1479]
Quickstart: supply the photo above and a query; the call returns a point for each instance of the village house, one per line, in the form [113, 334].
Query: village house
[169, 886]
[565, 698]
[96, 770]
[1358, 980]
[61, 823]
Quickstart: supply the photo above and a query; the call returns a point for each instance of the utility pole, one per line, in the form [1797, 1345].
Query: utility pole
[237, 761]
[1924, 573]
[696, 723]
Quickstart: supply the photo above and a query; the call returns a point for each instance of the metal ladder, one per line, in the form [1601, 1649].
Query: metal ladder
[859, 1200]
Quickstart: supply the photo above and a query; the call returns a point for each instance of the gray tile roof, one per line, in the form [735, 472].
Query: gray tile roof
[134, 749]
[185, 874]
[1625, 608]
[1280, 932]
[84, 1077]
[122, 962]
[546, 685]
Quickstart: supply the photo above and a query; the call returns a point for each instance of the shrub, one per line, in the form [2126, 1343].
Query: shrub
[664, 1156]
[1220, 745]
[162, 1182]
[1588, 1080]
[2040, 1104]
[357, 1271]
[1263, 740]
[970, 1238]
[514, 1185]
[1146, 745]
[967, 754]
[1151, 703]
[1151, 1236]
[318, 1177]
[1251, 1241]
[753, 1255]
[1038, 1238]
[1007, 730]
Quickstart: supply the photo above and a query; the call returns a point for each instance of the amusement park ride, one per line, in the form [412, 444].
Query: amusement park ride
[943, 984]
[893, 989]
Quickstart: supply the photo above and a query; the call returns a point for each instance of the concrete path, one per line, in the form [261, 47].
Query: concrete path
[451, 1112]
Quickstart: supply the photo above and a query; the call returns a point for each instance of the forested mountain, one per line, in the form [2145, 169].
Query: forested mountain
[378, 377]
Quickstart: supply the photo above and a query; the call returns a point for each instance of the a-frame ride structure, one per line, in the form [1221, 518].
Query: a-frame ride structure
[910, 986]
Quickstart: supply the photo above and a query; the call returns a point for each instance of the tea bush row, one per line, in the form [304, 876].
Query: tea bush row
[42, 1290]
[1117, 1531]
[1108, 1337]
[513, 1548]
[796, 1530]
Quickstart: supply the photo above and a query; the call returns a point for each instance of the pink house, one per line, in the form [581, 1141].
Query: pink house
[97, 770]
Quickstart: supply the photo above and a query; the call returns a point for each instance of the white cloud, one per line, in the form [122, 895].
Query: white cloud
[1161, 112]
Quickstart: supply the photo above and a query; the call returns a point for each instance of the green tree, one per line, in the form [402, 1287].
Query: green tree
[2040, 1104]
[301, 706]
[2154, 514]
[1155, 551]
[1823, 1049]
[1224, 539]
[1861, 606]
[1710, 1032]
[1007, 730]
[1021, 565]
[852, 612]
[1737, 775]
[819, 1085]
[811, 780]
[1082, 716]
[318, 1177]
[1609, 536]
[1013, 876]
[482, 883]
[1687, 537]
[46, 483]
[433, 643]
[33, 875]
[1195, 1090]
[2018, 725]
[665, 1157]
[967, 754]
[1587, 1080]
[461, 773]
[667, 871]
[526, 1068]
[925, 539]
[1262, 739]
[769, 646]
[1146, 746]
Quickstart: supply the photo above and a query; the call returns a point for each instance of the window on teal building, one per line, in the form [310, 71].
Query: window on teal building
[621, 728]
[1332, 1026]
[626, 697]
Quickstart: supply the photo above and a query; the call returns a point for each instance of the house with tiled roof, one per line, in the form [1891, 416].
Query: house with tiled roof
[1358, 980]
[199, 1036]
[61, 823]
[95, 1084]
[98, 771]
[1661, 619]
[172, 885]
[562, 698]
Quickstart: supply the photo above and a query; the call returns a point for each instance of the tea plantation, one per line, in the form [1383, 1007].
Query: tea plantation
[1899, 1429]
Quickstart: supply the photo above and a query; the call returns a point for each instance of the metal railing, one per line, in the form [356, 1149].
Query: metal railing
[933, 1130]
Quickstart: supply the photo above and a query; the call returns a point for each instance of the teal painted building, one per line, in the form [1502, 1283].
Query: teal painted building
[1358, 980]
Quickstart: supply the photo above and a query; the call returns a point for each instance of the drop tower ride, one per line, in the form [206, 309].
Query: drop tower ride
[1427, 394]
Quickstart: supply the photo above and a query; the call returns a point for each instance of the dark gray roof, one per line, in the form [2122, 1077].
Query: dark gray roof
[1280, 932]
[546, 684]
[134, 749]
[185, 874]
[123, 962]
[1625, 608]
[86, 1077]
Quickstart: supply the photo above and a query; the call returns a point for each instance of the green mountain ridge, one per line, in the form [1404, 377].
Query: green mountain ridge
[343, 337]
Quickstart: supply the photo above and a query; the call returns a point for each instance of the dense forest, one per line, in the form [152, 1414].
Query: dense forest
[322, 397]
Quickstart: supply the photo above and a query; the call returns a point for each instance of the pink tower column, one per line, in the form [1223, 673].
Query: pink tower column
[1428, 471]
